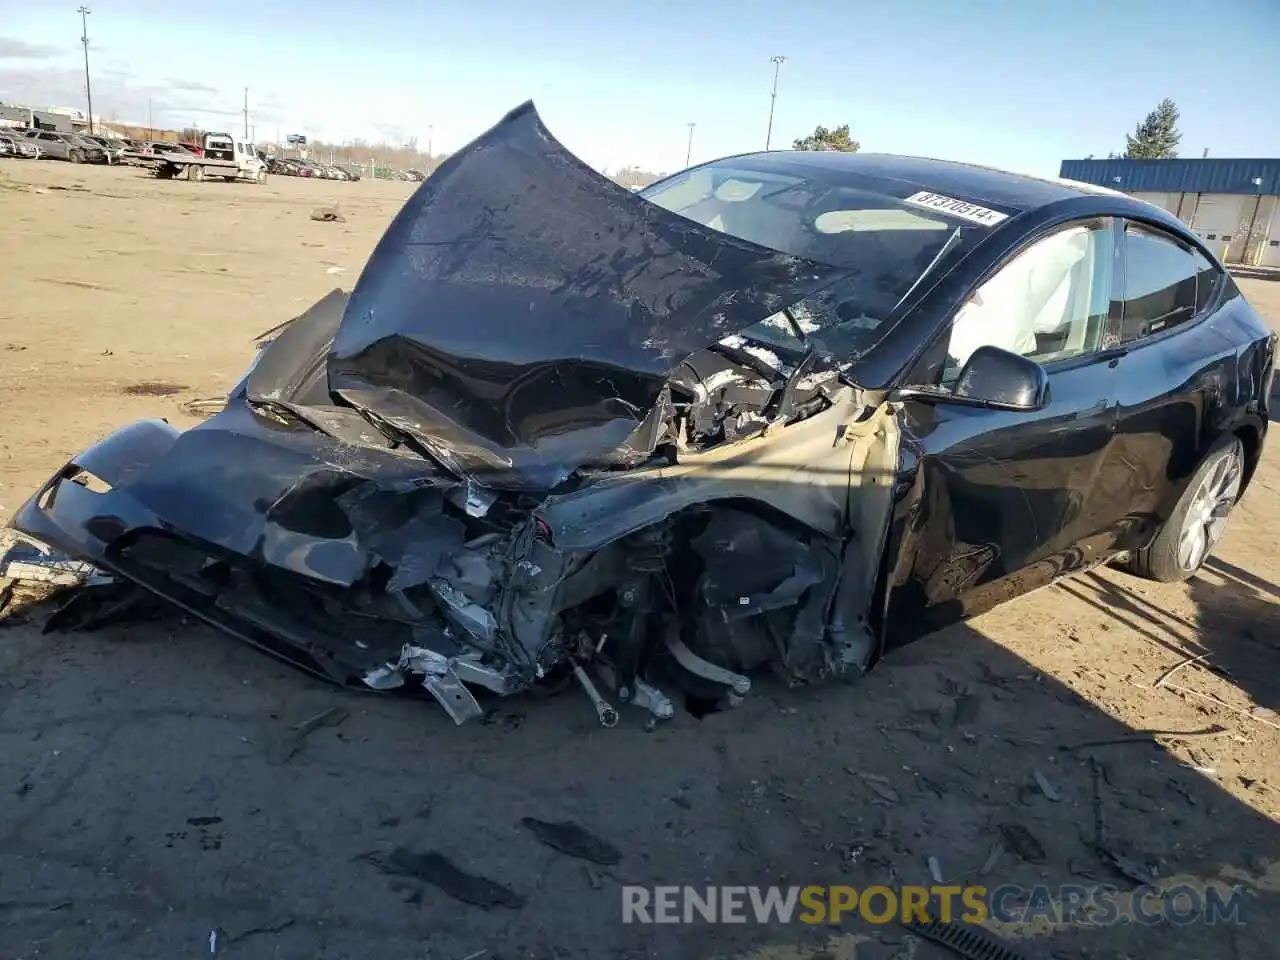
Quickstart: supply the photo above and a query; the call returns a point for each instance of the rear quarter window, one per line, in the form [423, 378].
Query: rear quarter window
[1160, 284]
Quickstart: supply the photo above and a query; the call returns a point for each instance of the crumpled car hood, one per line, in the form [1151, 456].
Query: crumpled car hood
[521, 314]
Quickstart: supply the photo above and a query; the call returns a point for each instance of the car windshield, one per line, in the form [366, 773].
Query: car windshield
[886, 244]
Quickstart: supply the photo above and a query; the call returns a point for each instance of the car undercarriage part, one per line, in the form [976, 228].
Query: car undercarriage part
[604, 709]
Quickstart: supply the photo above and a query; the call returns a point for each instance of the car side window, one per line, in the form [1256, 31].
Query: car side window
[1208, 277]
[1160, 280]
[1049, 302]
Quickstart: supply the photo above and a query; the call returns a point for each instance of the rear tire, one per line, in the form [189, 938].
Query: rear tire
[1197, 522]
[262, 176]
[75, 156]
[195, 173]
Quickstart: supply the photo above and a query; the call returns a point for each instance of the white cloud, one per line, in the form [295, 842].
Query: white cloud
[11, 49]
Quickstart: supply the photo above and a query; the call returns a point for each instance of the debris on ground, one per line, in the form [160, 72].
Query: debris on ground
[439, 871]
[935, 869]
[880, 786]
[964, 940]
[153, 388]
[296, 737]
[32, 572]
[993, 856]
[1050, 792]
[21, 558]
[237, 930]
[1185, 662]
[568, 837]
[1125, 866]
[1148, 737]
[1021, 841]
[327, 215]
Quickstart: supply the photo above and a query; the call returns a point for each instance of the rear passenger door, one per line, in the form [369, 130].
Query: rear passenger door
[1173, 374]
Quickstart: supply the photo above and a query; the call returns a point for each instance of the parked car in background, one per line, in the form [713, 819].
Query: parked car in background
[351, 174]
[114, 146]
[149, 150]
[17, 146]
[67, 146]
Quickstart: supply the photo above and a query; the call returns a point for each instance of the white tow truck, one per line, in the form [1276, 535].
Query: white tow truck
[224, 156]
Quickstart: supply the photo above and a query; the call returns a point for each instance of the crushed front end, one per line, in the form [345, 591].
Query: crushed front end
[530, 449]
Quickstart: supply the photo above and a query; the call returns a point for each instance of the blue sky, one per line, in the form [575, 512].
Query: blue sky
[1020, 85]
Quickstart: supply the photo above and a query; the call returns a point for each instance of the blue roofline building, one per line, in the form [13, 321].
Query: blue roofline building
[1233, 204]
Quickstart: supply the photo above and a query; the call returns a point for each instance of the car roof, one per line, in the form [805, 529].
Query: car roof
[969, 181]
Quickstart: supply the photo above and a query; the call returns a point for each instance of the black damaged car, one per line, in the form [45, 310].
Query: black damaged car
[780, 410]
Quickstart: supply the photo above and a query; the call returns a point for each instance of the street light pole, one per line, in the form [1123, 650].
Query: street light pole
[84, 38]
[777, 62]
[689, 152]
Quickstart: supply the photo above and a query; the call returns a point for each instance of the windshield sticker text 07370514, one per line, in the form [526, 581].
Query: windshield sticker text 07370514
[956, 208]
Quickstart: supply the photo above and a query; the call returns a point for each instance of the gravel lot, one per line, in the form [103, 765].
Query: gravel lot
[150, 794]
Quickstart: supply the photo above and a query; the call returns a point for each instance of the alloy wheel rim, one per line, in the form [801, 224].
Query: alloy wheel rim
[1207, 517]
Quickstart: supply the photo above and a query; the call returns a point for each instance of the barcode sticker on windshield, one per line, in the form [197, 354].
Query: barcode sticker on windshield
[957, 208]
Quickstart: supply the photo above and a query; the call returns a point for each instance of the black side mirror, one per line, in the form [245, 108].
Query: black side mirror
[997, 378]
[992, 378]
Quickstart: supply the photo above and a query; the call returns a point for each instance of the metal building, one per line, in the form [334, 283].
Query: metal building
[1233, 205]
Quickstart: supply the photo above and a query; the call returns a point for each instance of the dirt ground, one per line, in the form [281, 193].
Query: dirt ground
[146, 802]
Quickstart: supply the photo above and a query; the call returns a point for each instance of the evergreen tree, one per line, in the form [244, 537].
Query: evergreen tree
[1156, 138]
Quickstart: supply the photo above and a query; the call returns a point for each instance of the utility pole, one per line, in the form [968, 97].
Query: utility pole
[246, 113]
[689, 151]
[777, 62]
[430, 131]
[150, 130]
[84, 38]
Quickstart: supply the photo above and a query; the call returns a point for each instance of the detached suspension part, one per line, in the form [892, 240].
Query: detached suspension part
[646, 560]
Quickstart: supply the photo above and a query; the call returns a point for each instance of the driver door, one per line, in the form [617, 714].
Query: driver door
[1004, 496]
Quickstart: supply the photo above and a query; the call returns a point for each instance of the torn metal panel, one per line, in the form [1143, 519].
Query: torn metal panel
[521, 313]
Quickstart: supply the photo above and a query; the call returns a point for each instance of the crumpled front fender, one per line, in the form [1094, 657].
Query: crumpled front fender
[82, 521]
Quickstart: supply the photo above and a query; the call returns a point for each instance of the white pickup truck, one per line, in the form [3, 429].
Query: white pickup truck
[224, 156]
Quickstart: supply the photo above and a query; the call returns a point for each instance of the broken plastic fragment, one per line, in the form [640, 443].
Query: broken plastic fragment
[439, 679]
[25, 558]
[385, 677]
[461, 612]
[473, 499]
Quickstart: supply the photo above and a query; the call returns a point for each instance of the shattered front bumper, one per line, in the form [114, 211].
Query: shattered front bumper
[87, 511]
